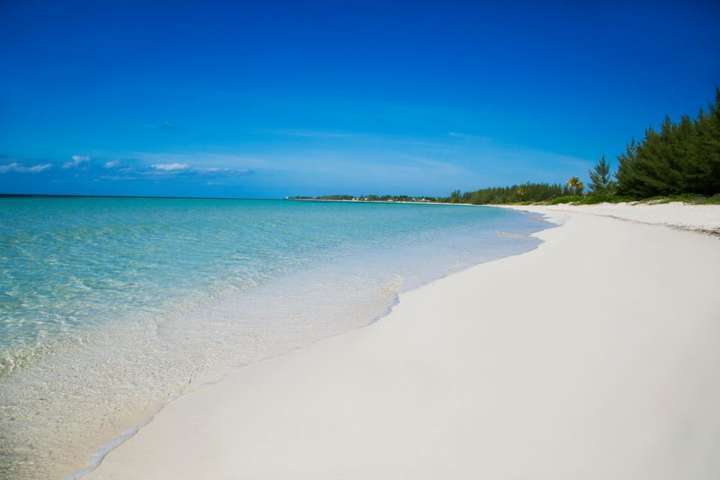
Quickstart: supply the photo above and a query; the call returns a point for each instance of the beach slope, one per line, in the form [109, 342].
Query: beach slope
[595, 356]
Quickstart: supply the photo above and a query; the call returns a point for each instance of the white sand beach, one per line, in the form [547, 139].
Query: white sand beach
[595, 356]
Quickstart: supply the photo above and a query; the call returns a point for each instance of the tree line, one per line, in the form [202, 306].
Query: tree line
[681, 158]
[372, 198]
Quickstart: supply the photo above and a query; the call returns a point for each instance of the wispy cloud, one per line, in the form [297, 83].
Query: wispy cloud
[76, 161]
[170, 167]
[202, 160]
[376, 162]
[206, 164]
[16, 167]
[357, 163]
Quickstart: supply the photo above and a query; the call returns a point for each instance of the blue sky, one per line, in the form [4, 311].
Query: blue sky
[268, 99]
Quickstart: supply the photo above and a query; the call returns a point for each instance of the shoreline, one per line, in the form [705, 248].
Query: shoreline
[704, 219]
[335, 270]
[227, 403]
[327, 200]
[97, 456]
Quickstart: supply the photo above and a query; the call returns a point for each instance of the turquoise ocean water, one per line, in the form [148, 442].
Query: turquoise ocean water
[110, 307]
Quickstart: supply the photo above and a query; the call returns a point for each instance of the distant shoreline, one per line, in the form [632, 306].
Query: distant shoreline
[412, 202]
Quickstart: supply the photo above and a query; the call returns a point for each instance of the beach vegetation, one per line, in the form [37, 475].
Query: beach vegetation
[565, 199]
[524, 193]
[601, 182]
[680, 158]
[575, 186]
[678, 162]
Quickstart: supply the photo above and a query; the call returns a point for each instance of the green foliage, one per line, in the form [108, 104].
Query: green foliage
[691, 198]
[371, 198]
[566, 199]
[602, 198]
[681, 158]
[335, 197]
[525, 193]
[574, 186]
[680, 162]
[600, 179]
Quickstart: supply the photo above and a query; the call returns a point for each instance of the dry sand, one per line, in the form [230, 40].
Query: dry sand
[595, 356]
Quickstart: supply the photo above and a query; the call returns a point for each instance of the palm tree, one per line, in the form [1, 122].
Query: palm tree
[574, 186]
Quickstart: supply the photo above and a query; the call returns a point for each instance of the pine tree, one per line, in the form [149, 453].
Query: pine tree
[707, 145]
[680, 158]
[626, 175]
[600, 182]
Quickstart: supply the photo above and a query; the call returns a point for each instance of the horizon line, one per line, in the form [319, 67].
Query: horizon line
[169, 197]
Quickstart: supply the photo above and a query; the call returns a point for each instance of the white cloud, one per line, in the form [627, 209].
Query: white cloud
[18, 168]
[375, 162]
[39, 168]
[170, 167]
[112, 164]
[76, 161]
[10, 167]
[201, 160]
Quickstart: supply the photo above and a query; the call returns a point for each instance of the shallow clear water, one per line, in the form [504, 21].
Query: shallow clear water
[111, 307]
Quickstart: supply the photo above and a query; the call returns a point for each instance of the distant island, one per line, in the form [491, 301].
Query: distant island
[680, 162]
